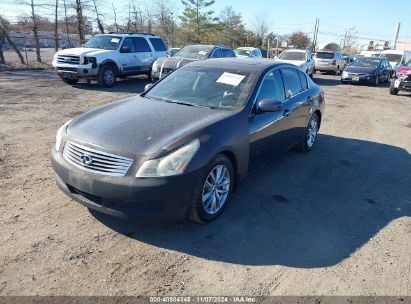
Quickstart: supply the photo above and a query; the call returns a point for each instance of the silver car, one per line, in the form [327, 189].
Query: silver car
[329, 62]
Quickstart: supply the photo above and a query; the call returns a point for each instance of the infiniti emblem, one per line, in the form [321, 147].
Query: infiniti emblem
[86, 159]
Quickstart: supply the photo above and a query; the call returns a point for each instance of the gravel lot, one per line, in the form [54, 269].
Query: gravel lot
[336, 221]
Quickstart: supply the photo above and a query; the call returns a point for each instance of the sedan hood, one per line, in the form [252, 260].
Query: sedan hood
[82, 51]
[142, 126]
[355, 69]
[172, 62]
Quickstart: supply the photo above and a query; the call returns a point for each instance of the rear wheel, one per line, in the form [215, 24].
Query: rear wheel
[310, 134]
[213, 192]
[107, 76]
[338, 71]
[393, 89]
[69, 80]
[377, 81]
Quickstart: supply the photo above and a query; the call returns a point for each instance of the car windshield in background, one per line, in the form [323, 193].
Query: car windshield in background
[366, 62]
[104, 42]
[325, 55]
[292, 56]
[205, 87]
[242, 52]
[194, 52]
[408, 64]
[392, 57]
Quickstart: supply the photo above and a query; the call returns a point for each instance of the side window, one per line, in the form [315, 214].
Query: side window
[217, 53]
[272, 87]
[227, 53]
[158, 44]
[127, 44]
[141, 44]
[292, 82]
[303, 80]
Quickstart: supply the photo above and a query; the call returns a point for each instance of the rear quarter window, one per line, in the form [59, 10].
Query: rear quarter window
[141, 44]
[303, 80]
[292, 82]
[158, 44]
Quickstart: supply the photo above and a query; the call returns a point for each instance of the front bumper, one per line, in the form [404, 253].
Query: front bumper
[147, 200]
[158, 74]
[405, 84]
[76, 71]
[366, 79]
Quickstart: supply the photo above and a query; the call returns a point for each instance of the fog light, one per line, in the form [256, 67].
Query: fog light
[85, 71]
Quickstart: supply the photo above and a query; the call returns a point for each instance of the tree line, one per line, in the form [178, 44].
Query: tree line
[197, 22]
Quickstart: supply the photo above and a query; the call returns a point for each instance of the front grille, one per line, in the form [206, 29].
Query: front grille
[68, 59]
[64, 69]
[95, 161]
[95, 199]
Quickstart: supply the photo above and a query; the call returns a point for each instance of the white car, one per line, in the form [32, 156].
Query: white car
[301, 58]
[396, 58]
[251, 52]
[105, 57]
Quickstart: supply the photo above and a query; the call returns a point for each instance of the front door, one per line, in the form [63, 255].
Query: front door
[144, 54]
[128, 57]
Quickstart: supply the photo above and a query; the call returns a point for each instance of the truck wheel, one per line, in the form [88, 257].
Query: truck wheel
[69, 80]
[106, 76]
[393, 89]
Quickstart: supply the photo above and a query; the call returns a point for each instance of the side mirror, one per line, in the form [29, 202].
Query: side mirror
[148, 87]
[125, 49]
[270, 105]
[309, 60]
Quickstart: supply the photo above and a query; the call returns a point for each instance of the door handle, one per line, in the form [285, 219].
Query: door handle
[286, 113]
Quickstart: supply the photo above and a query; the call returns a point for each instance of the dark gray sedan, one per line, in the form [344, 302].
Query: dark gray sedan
[178, 149]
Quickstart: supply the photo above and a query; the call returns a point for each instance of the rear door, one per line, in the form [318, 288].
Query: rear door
[144, 53]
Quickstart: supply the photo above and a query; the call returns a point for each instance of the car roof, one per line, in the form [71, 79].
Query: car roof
[248, 48]
[148, 35]
[295, 50]
[373, 57]
[393, 52]
[245, 64]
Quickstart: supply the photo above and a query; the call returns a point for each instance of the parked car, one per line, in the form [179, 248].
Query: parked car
[370, 70]
[171, 51]
[396, 58]
[370, 53]
[105, 57]
[300, 58]
[178, 149]
[329, 62]
[402, 79]
[248, 52]
[163, 66]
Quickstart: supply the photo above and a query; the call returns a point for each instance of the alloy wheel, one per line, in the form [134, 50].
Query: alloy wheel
[109, 77]
[312, 131]
[216, 189]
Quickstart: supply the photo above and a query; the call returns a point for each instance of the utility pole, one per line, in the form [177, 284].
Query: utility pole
[268, 47]
[115, 17]
[397, 32]
[317, 24]
[345, 39]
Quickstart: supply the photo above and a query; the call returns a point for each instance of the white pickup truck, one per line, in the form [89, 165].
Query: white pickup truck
[107, 56]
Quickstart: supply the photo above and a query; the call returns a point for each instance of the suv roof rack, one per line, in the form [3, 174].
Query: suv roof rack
[132, 33]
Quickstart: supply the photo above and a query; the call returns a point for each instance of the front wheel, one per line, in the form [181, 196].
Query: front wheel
[107, 76]
[213, 192]
[310, 134]
[377, 81]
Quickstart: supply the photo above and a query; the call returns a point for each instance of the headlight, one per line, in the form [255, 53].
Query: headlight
[172, 164]
[59, 135]
[401, 76]
[344, 74]
[88, 60]
[154, 67]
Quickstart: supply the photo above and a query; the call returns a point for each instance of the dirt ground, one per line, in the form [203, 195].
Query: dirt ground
[336, 221]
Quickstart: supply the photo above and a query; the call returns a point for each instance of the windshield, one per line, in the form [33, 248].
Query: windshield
[105, 42]
[197, 52]
[366, 62]
[292, 56]
[324, 55]
[408, 64]
[242, 52]
[205, 87]
[392, 57]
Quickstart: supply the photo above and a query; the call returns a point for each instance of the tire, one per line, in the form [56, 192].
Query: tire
[305, 145]
[377, 81]
[393, 89]
[343, 82]
[69, 80]
[338, 71]
[106, 76]
[202, 205]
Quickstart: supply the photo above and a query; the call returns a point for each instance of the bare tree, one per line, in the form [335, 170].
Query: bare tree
[66, 23]
[56, 25]
[4, 32]
[80, 21]
[99, 24]
[115, 17]
[261, 25]
[35, 32]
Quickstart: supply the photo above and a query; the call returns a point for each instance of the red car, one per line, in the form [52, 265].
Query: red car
[402, 79]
